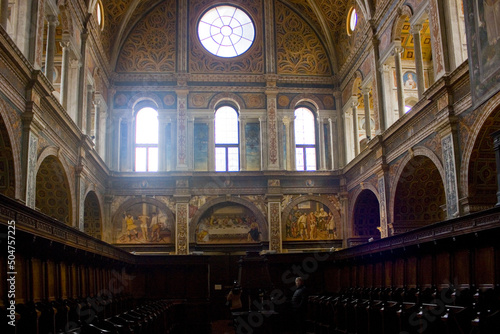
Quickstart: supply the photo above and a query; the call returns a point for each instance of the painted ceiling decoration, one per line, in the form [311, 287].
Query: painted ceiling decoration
[326, 17]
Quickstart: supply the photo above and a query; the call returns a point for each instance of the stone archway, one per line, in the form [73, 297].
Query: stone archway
[92, 223]
[419, 197]
[53, 195]
[7, 168]
[366, 215]
[482, 169]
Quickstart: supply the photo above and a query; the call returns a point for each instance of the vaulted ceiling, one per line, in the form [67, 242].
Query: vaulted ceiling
[327, 17]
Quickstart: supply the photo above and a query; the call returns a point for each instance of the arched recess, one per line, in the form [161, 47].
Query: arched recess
[200, 213]
[480, 180]
[307, 98]
[366, 215]
[138, 207]
[143, 100]
[9, 166]
[331, 203]
[53, 192]
[221, 97]
[418, 198]
[92, 218]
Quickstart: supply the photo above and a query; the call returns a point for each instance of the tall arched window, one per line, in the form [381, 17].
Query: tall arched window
[227, 155]
[146, 140]
[305, 140]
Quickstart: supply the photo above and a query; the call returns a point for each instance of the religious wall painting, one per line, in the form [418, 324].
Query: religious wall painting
[410, 80]
[229, 223]
[483, 35]
[144, 223]
[310, 220]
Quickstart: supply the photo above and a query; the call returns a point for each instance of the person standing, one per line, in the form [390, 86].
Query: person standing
[299, 304]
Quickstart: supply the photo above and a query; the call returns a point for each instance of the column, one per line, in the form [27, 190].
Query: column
[182, 149]
[5, 13]
[419, 62]
[181, 224]
[332, 157]
[379, 86]
[341, 130]
[263, 139]
[274, 218]
[81, 80]
[354, 109]
[32, 127]
[366, 101]
[101, 135]
[287, 146]
[130, 163]
[190, 143]
[36, 33]
[163, 120]
[382, 190]
[496, 147]
[90, 105]
[211, 142]
[399, 79]
[64, 75]
[97, 126]
[388, 109]
[51, 46]
[272, 158]
[321, 144]
[243, 143]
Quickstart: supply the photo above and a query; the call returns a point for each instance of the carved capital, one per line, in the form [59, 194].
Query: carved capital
[366, 90]
[415, 29]
[52, 20]
[397, 50]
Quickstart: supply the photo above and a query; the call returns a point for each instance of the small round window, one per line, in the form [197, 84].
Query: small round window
[352, 21]
[99, 15]
[226, 31]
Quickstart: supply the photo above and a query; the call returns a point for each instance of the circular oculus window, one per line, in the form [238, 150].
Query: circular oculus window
[226, 31]
[352, 21]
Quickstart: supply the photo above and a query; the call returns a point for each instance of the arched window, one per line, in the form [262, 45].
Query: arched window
[305, 140]
[146, 140]
[227, 155]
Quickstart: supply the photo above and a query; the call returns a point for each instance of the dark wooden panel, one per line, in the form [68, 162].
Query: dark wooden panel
[426, 269]
[379, 274]
[388, 277]
[461, 267]
[399, 272]
[442, 269]
[411, 272]
[485, 266]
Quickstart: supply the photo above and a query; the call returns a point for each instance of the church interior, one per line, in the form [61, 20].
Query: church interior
[147, 166]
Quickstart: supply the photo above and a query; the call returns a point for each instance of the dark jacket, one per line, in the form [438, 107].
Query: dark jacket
[299, 299]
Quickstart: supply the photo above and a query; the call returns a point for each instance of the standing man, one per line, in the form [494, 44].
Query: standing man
[299, 304]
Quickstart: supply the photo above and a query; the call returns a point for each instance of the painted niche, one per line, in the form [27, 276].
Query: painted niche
[232, 223]
[144, 223]
[311, 220]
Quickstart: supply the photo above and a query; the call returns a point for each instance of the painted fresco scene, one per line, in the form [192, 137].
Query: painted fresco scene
[144, 223]
[310, 220]
[228, 224]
